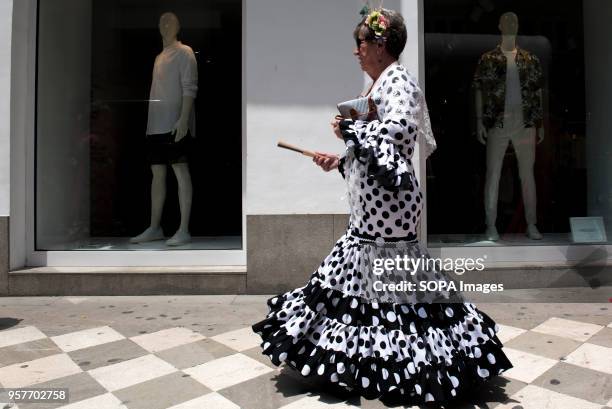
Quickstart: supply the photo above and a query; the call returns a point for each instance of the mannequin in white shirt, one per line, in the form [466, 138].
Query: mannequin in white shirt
[167, 103]
[496, 139]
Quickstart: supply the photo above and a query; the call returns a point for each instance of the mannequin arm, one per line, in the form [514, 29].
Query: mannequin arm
[541, 128]
[182, 125]
[481, 132]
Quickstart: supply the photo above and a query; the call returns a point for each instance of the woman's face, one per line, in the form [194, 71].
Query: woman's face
[366, 51]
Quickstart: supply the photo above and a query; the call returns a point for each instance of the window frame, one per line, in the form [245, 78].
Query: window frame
[23, 161]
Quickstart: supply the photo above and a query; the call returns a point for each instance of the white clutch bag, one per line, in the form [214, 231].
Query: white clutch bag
[354, 108]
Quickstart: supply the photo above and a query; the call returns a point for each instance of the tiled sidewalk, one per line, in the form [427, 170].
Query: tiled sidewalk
[199, 353]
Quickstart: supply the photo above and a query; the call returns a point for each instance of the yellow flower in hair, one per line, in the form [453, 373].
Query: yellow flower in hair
[373, 16]
[377, 23]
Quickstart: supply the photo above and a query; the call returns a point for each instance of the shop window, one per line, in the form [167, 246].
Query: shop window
[97, 96]
[523, 133]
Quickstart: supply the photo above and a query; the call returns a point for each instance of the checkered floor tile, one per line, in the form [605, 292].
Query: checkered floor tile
[558, 363]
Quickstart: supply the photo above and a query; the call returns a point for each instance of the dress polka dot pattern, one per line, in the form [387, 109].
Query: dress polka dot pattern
[336, 327]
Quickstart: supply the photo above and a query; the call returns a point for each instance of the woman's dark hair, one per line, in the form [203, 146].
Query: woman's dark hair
[395, 34]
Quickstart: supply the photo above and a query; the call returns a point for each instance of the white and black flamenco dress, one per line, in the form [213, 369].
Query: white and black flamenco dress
[342, 327]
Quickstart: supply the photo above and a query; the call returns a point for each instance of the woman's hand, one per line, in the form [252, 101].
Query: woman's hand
[372, 111]
[326, 161]
[335, 124]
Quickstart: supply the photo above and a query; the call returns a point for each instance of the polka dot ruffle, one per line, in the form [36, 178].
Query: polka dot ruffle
[375, 361]
[410, 318]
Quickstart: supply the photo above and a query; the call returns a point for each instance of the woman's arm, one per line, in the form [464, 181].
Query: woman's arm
[379, 142]
[398, 101]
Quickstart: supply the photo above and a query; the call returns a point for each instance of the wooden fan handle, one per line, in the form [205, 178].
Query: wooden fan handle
[305, 152]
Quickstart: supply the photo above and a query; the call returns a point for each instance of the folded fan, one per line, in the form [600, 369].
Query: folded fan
[305, 152]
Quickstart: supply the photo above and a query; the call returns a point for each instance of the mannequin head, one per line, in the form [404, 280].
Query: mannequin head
[169, 26]
[508, 24]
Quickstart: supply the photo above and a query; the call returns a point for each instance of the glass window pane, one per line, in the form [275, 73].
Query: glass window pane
[518, 93]
[113, 80]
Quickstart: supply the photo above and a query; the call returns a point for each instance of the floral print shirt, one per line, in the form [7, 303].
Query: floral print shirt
[490, 79]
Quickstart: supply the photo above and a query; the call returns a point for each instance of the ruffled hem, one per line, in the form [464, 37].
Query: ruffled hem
[424, 339]
[409, 318]
[375, 377]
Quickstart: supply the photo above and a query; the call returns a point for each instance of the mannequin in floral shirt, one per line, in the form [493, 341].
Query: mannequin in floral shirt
[508, 83]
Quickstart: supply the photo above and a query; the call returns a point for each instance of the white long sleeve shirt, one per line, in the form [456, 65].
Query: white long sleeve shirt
[175, 74]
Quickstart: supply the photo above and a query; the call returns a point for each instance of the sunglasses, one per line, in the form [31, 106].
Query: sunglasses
[359, 41]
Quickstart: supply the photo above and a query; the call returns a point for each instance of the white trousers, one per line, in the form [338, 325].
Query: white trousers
[523, 141]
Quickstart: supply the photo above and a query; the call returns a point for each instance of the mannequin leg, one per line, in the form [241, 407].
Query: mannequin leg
[497, 143]
[158, 197]
[185, 192]
[158, 194]
[524, 146]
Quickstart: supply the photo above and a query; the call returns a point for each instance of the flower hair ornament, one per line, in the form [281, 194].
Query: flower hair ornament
[375, 20]
[377, 23]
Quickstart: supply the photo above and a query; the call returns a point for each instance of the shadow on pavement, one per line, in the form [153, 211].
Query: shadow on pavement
[6, 323]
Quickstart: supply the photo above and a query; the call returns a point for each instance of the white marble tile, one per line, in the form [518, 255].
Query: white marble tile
[210, 400]
[106, 401]
[239, 340]
[227, 371]
[91, 337]
[76, 300]
[527, 367]
[317, 402]
[20, 336]
[595, 357]
[128, 373]
[534, 397]
[576, 330]
[506, 333]
[37, 371]
[167, 338]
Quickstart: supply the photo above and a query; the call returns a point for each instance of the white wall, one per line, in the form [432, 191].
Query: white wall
[6, 17]
[62, 151]
[598, 65]
[23, 62]
[299, 64]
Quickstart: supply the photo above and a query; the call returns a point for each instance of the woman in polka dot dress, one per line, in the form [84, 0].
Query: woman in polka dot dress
[344, 326]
